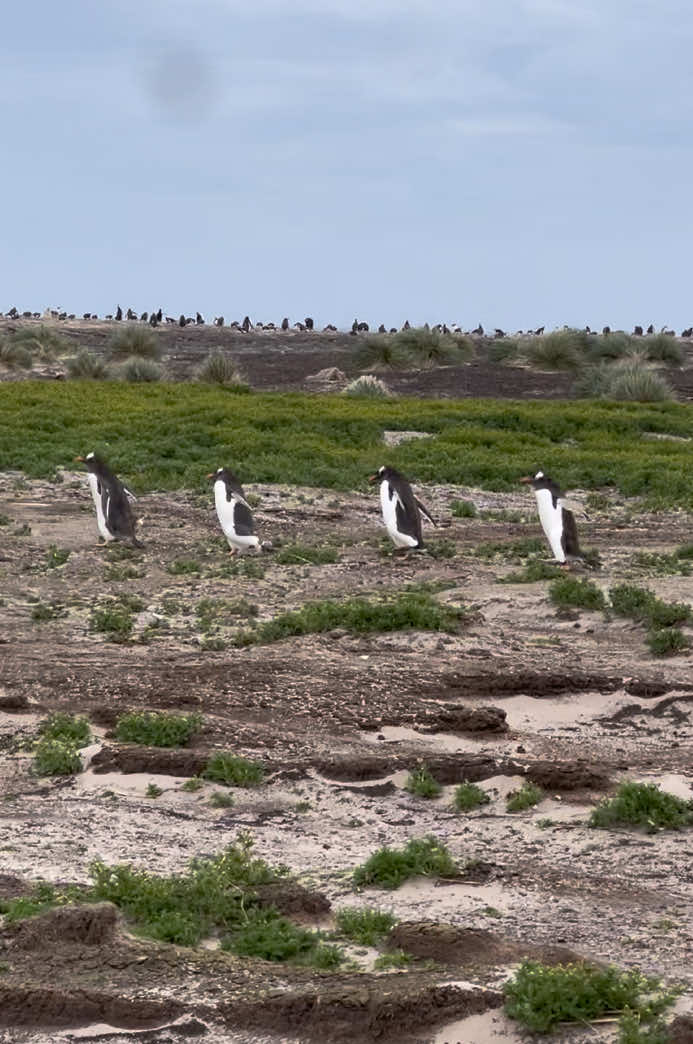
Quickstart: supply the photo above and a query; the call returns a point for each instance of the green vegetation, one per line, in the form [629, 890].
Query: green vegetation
[664, 638]
[393, 959]
[421, 783]
[160, 437]
[87, 366]
[115, 619]
[468, 796]
[364, 925]
[512, 550]
[220, 799]
[192, 785]
[642, 805]
[391, 867]
[56, 557]
[211, 612]
[153, 791]
[633, 1031]
[118, 572]
[135, 340]
[42, 612]
[540, 997]
[140, 371]
[526, 797]
[408, 610]
[463, 508]
[67, 727]
[157, 728]
[567, 591]
[56, 757]
[535, 569]
[42, 341]
[559, 350]
[667, 641]
[220, 369]
[183, 567]
[271, 937]
[15, 356]
[413, 348]
[233, 771]
[657, 563]
[305, 554]
[43, 896]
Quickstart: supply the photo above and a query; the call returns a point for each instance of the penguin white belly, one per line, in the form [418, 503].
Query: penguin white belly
[389, 507]
[100, 517]
[225, 514]
[551, 519]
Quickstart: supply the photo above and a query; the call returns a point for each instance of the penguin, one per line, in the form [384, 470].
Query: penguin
[114, 518]
[402, 510]
[557, 520]
[233, 511]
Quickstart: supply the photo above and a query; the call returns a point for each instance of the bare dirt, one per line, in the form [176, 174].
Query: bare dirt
[570, 700]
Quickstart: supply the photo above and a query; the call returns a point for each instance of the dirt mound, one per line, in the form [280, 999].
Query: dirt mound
[149, 759]
[90, 925]
[12, 887]
[567, 775]
[385, 1011]
[448, 944]
[681, 1030]
[43, 1006]
[13, 701]
[530, 683]
[292, 898]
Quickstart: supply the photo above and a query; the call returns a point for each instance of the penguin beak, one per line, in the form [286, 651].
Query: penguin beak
[372, 478]
[80, 460]
[211, 475]
[526, 478]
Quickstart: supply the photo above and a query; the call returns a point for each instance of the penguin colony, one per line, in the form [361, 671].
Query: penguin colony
[401, 509]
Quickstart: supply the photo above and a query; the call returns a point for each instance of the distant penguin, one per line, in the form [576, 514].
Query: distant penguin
[285, 323]
[118, 314]
[233, 511]
[557, 520]
[114, 518]
[402, 510]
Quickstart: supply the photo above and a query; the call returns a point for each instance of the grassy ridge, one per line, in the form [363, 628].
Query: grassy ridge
[170, 436]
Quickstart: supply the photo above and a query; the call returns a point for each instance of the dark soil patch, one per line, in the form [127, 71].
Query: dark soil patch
[447, 719]
[92, 925]
[12, 887]
[292, 899]
[149, 759]
[521, 683]
[448, 944]
[45, 1006]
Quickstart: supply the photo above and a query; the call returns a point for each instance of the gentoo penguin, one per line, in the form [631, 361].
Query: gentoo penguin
[233, 511]
[114, 517]
[402, 511]
[557, 520]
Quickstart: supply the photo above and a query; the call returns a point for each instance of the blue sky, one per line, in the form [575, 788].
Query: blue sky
[514, 162]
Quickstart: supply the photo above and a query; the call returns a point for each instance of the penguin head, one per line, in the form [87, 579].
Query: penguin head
[92, 462]
[383, 474]
[539, 481]
[225, 476]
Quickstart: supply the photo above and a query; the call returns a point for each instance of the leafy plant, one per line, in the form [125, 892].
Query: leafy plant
[364, 925]
[469, 796]
[526, 797]
[404, 611]
[535, 569]
[393, 959]
[56, 556]
[115, 619]
[667, 641]
[183, 567]
[192, 785]
[219, 368]
[66, 727]
[56, 757]
[421, 783]
[157, 728]
[42, 612]
[642, 605]
[153, 791]
[540, 997]
[135, 340]
[567, 591]
[463, 508]
[233, 771]
[642, 805]
[271, 937]
[391, 867]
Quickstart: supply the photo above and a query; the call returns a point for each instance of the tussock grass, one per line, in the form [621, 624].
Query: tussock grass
[364, 925]
[662, 348]
[667, 641]
[407, 610]
[540, 996]
[42, 341]
[636, 383]
[569, 592]
[161, 436]
[135, 340]
[469, 796]
[233, 771]
[511, 550]
[421, 783]
[15, 356]
[85, 365]
[157, 728]
[140, 371]
[367, 386]
[558, 350]
[526, 797]
[391, 867]
[642, 805]
[220, 369]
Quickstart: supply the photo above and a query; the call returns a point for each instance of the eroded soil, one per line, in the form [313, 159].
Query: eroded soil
[571, 700]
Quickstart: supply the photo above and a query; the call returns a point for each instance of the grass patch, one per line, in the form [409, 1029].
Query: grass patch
[153, 791]
[233, 771]
[421, 783]
[66, 727]
[115, 620]
[219, 799]
[305, 554]
[469, 796]
[117, 573]
[540, 997]
[56, 757]
[271, 937]
[56, 557]
[135, 340]
[407, 610]
[184, 567]
[569, 592]
[364, 925]
[192, 785]
[667, 641]
[211, 612]
[526, 797]
[393, 959]
[140, 371]
[559, 350]
[220, 369]
[463, 509]
[656, 563]
[42, 612]
[43, 896]
[642, 805]
[243, 567]
[532, 572]
[157, 728]
[15, 356]
[512, 550]
[87, 366]
[391, 867]
[643, 606]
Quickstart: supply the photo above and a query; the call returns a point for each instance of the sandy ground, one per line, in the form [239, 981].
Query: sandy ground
[571, 700]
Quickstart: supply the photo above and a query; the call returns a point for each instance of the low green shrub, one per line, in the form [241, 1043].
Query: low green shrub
[463, 508]
[642, 805]
[526, 797]
[667, 641]
[141, 371]
[56, 757]
[220, 369]
[183, 567]
[512, 550]
[567, 591]
[135, 340]
[469, 796]
[391, 867]
[56, 556]
[363, 925]
[233, 771]
[15, 356]
[642, 605]
[540, 996]
[269, 936]
[86, 365]
[421, 783]
[67, 727]
[533, 571]
[115, 619]
[42, 612]
[157, 728]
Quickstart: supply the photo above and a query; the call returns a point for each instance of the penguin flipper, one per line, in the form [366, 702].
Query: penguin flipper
[569, 537]
[242, 518]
